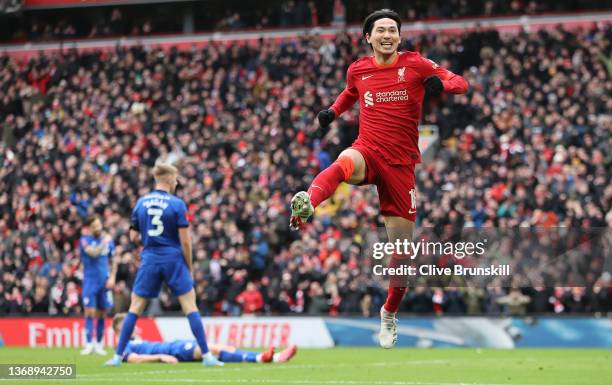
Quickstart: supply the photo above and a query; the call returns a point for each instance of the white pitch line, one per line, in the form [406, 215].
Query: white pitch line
[273, 367]
[302, 382]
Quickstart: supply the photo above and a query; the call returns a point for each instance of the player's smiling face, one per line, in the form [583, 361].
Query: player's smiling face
[385, 37]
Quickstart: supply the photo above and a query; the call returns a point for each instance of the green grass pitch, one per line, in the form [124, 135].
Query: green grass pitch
[348, 366]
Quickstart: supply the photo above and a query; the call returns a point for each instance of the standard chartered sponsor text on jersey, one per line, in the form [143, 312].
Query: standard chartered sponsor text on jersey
[391, 96]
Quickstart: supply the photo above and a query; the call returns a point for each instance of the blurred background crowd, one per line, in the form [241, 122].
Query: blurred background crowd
[528, 145]
[137, 18]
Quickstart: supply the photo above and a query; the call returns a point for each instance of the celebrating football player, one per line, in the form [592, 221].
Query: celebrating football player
[390, 87]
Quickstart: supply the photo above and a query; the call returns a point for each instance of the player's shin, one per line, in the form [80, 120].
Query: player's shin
[89, 329]
[98, 349]
[126, 332]
[397, 289]
[88, 336]
[100, 330]
[127, 328]
[322, 187]
[237, 356]
[327, 181]
[398, 285]
[195, 323]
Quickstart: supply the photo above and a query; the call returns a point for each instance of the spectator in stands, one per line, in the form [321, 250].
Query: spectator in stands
[250, 299]
[515, 303]
[80, 130]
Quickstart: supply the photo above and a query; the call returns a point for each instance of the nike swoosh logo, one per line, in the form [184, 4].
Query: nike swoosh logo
[366, 77]
[411, 211]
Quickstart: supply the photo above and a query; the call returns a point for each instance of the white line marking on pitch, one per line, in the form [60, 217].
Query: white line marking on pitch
[274, 367]
[103, 377]
[270, 381]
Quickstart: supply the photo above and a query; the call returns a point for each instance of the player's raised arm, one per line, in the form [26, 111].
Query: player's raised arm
[437, 79]
[345, 100]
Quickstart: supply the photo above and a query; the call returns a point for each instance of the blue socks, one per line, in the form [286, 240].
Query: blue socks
[195, 323]
[126, 332]
[238, 356]
[100, 329]
[88, 329]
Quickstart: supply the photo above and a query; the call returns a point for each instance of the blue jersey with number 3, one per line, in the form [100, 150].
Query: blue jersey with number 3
[158, 217]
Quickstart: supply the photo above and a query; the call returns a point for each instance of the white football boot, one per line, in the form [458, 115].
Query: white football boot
[388, 329]
[89, 348]
[99, 350]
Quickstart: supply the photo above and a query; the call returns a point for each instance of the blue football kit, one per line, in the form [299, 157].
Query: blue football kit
[158, 217]
[181, 349]
[95, 274]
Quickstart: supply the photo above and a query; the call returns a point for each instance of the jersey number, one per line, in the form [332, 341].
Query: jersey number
[156, 220]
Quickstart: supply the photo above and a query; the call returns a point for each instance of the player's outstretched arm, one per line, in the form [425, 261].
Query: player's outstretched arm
[437, 79]
[454, 84]
[142, 358]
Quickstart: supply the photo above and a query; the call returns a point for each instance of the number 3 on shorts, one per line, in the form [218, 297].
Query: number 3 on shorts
[156, 221]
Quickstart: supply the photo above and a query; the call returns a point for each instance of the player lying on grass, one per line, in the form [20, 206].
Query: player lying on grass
[390, 87]
[189, 351]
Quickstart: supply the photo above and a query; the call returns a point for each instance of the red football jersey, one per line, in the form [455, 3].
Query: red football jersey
[390, 99]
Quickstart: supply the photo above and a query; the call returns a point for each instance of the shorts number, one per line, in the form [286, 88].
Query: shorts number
[156, 220]
[412, 201]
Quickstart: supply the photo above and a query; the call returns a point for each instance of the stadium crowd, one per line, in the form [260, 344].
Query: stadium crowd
[142, 19]
[528, 145]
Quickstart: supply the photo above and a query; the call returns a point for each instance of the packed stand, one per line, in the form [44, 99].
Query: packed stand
[528, 145]
[180, 17]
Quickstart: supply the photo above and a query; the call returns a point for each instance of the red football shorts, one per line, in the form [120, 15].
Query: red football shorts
[395, 184]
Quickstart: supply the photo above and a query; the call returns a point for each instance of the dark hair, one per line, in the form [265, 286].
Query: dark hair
[91, 220]
[369, 21]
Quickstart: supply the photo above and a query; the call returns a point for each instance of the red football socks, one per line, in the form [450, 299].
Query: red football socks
[327, 181]
[397, 287]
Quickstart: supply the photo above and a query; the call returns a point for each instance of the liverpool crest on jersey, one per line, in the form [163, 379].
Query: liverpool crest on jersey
[400, 74]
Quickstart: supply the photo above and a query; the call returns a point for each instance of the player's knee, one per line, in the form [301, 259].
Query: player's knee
[399, 228]
[189, 306]
[347, 165]
[188, 302]
[138, 304]
[353, 165]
